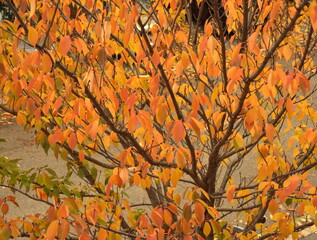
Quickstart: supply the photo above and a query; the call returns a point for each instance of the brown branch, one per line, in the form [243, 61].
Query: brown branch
[276, 45]
[238, 209]
[297, 229]
[27, 195]
[310, 33]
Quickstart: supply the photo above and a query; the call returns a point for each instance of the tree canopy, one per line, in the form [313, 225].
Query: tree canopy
[208, 119]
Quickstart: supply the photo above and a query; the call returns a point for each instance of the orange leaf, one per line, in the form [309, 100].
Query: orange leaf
[156, 58]
[161, 113]
[62, 211]
[273, 206]
[215, 226]
[269, 130]
[179, 68]
[84, 236]
[235, 57]
[102, 234]
[33, 36]
[94, 130]
[185, 60]
[157, 218]
[52, 230]
[72, 140]
[64, 230]
[314, 201]
[230, 192]
[55, 137]
[196, 126]
[64, 45]
[303, 82]
[291, 184]
[81, 155]
[46, 63]
[207, 228]
[167, 217]
[116, 180]
[21, 119]
[186, 227]
[178, 131]
[199, 213]
[133, 122]
[313, 14]
[5, 208]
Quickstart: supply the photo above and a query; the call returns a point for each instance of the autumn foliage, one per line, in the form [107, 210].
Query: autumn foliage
[136, 98]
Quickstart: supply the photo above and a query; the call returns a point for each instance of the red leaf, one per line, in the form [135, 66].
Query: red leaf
[64, 45]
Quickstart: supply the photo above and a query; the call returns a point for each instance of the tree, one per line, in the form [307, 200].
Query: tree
[136, 94]
[5, 13]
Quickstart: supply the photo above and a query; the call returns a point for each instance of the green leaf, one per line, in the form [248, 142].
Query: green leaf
[65, 191]
[94, 172]
[288, 201]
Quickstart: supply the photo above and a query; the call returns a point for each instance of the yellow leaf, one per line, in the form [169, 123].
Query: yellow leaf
[207, 229]
[32, 8]
[175, 176]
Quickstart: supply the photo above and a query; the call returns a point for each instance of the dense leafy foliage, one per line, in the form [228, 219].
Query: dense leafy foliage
[138, 96]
